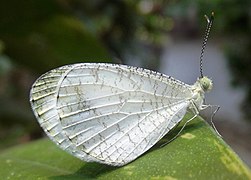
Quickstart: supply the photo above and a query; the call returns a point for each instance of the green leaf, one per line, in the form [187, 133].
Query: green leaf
[198, 153]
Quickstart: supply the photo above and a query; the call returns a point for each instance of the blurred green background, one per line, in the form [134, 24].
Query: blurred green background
[38, 35]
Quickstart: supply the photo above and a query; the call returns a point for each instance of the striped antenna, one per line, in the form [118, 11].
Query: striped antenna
[208, 28]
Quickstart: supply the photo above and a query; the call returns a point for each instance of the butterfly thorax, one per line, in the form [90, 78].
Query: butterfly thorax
[199, 88]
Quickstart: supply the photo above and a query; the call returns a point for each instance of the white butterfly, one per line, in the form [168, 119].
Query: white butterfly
[110, 113]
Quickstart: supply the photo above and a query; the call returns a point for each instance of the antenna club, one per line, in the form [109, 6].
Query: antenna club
[212, 16]
[209, 21]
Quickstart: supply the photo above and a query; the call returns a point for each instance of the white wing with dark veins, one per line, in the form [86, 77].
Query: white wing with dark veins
[107, 113]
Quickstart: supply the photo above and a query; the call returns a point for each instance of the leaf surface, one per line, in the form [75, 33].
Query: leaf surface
[198, 153]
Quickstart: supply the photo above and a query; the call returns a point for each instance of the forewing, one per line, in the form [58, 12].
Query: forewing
[107, 113]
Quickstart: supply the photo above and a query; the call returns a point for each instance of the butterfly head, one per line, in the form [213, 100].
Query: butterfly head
[205, 83]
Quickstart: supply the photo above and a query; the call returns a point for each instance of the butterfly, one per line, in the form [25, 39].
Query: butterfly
[112, 113]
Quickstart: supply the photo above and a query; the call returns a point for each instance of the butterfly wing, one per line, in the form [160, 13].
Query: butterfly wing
[107, 113]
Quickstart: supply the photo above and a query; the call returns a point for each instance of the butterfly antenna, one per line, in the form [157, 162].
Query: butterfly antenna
[208, 28]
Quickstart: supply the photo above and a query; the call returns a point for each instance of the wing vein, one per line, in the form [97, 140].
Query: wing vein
[148, 113]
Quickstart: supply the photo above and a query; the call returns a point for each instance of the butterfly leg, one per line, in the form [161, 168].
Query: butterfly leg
[196, 113]
[213, 112]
